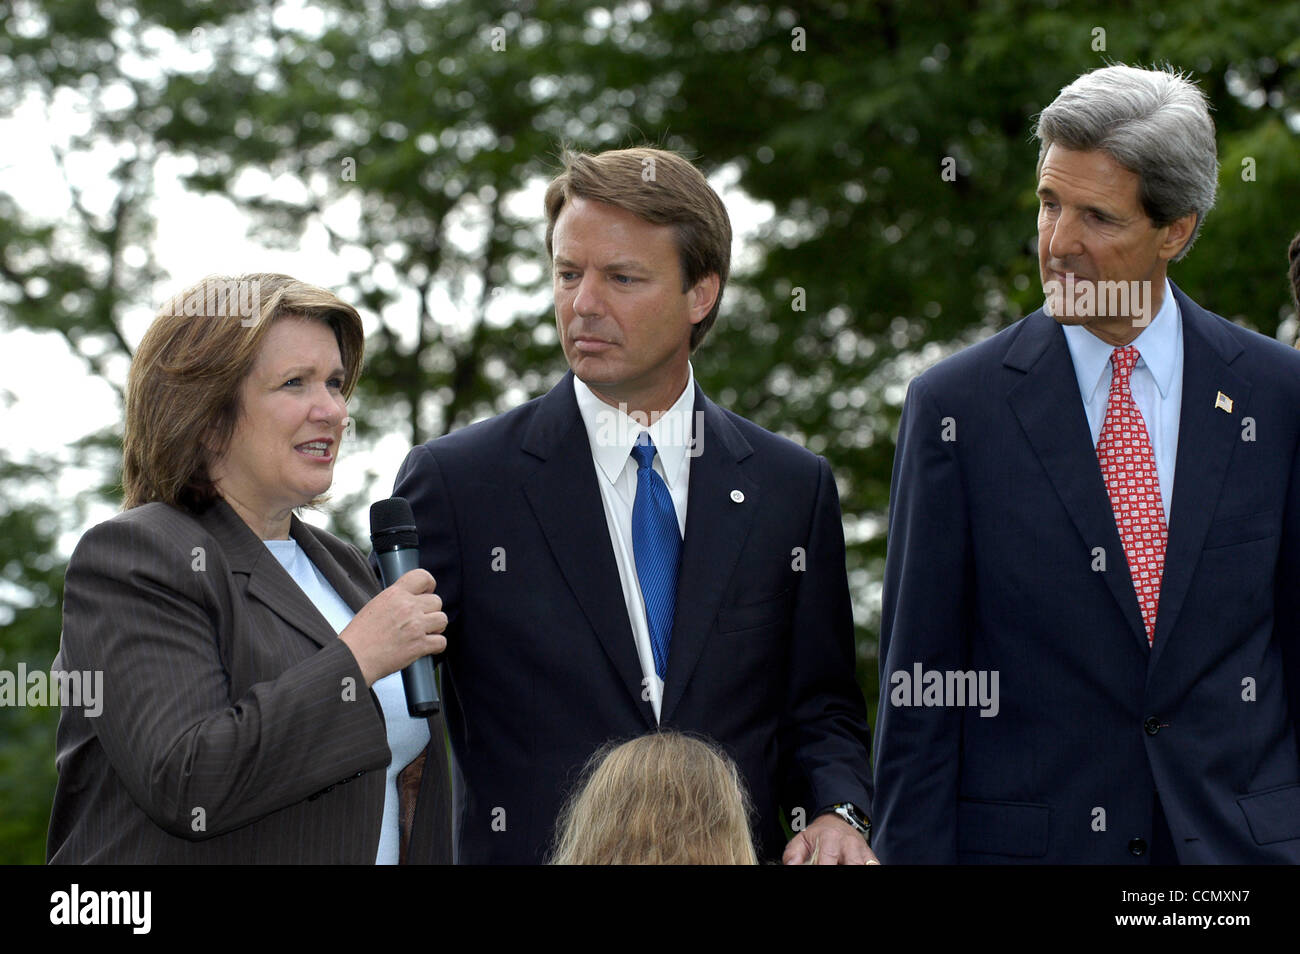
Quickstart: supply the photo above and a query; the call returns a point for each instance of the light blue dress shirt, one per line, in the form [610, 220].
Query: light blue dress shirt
[1156, 383]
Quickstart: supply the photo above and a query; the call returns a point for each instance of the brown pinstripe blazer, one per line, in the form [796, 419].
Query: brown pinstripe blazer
[236, 726]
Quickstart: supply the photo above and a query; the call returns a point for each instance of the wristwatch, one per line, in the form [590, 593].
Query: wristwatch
[849, 812]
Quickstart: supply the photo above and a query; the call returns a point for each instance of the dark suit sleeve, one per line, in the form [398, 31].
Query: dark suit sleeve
[827, 729]
[1286, 587]
[420, 481]
[924, 620]
[198, 762]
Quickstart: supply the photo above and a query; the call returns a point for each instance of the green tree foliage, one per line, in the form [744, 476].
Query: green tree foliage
[884, 148]
[31, 591]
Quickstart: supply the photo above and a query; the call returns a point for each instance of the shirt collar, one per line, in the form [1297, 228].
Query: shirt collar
[611, 433]
[1157, 344]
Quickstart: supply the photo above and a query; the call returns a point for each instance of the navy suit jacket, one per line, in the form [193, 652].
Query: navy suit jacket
[541, 666]
[995, 535]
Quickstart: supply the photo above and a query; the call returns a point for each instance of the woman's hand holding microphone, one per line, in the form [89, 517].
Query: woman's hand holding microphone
[397, 627]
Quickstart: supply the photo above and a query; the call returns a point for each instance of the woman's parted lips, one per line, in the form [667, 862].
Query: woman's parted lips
[314, 448]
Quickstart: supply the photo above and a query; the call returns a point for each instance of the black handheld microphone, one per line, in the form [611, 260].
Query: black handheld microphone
[397, 549]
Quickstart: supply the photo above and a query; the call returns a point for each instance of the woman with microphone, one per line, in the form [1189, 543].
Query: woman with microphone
[252, 706]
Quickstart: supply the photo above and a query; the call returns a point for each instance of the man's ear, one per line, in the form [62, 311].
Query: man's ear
[703, 296]
[1177, 234]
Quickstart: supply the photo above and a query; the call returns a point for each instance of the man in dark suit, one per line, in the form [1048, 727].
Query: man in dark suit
[1096, 515]
[623, 554]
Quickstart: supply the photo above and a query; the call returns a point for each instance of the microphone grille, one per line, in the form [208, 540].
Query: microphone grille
[391, 513]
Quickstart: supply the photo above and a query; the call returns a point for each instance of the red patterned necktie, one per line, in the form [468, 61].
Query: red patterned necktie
[1128, 467]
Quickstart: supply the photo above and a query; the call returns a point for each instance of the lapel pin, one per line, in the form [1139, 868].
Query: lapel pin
[1223, 403]
[737, 497]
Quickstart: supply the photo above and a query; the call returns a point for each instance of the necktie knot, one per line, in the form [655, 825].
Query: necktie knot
[1124, 360]
[644, 451]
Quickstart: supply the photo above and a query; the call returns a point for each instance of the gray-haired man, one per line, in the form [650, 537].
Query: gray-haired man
[1100, 506]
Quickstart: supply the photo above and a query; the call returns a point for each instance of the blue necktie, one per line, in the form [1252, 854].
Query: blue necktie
[656, 544]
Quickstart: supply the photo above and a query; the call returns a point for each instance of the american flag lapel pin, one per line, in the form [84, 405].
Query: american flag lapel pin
[1223, 403]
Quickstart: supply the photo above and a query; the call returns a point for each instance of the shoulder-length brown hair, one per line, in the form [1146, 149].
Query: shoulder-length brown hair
[182, 392]
[661, 799]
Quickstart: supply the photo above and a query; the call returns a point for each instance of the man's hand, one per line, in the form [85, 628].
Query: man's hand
[834, 842]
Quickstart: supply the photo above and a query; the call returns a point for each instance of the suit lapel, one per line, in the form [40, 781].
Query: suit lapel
[565, 499]
[1206, 438]
[716, 530]
[268, 583]
[1047, 403]
[356, 593]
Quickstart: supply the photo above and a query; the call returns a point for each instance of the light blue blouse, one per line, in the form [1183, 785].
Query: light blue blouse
[407, 737]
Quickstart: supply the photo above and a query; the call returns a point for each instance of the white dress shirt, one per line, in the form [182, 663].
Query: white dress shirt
[1156, 384]
[612, 434]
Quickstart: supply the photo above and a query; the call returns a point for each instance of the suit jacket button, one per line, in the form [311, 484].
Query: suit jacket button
[1152, 725]
[1138, 847]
